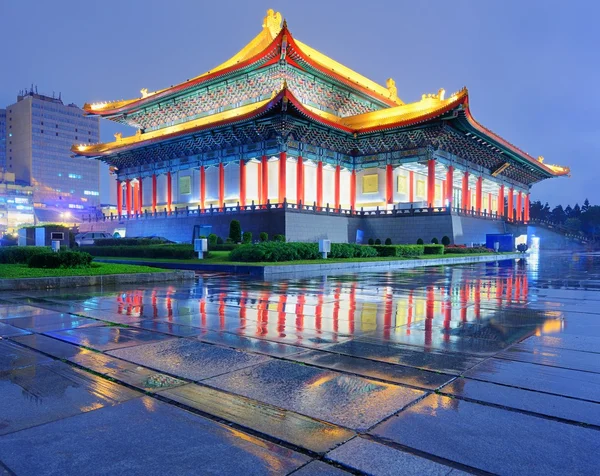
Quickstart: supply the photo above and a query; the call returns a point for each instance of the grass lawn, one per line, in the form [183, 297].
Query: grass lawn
[222, 257]
[12, 271]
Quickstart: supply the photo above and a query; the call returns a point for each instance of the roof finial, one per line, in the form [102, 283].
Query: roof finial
[273, 22]
[391, 87]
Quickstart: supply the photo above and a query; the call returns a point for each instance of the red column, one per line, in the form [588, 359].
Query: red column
[411, 186]
[128, 196]
[430, 182]
[221, 185]
[449, 186]
[510, 215]
[478, 194]
[282, 177]
[242, 183]
[300, 181]
[389, 184]
[501, 201]
[336, 194]
[140, 195]
[119, 198]
[526, 209]
[319, 184]
[519, 216]
[353, 190]
[265, 180]
[259, 183]
[169, 192]
[465, 191]
[202, 187]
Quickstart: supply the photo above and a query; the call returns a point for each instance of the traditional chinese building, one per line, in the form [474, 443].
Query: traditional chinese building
[280, 126]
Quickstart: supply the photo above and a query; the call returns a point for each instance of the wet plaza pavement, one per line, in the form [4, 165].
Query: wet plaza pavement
[484, 368]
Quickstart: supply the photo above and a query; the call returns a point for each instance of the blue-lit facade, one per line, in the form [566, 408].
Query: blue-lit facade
[2, 138]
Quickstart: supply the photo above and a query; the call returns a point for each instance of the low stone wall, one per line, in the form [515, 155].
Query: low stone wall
[106, 280]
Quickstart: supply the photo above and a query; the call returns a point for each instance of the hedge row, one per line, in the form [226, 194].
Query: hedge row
[274, 251]
[348, 250]
[20, 254]
[404, 251]
[433, 250]
[150, 251]
[129, 241]
[62, 259]
[465, 251]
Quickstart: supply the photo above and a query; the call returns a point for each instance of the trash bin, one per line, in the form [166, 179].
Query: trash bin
[55, 245]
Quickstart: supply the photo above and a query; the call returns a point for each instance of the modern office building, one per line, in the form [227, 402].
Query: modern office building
[16, 204]
[2, 138]
[281, 130]
[39, 133]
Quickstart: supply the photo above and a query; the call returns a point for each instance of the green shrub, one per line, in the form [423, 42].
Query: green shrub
[61, 259]
[220, 240]
[433, 249]
[465, 251]
[153, 251]
[212, 239]
[371, 241]
[263, 236]
[388, 241]
[279, 238]
[273, 251]
[229, 241]
[445, 240]
[223, 247]
[247, 237]
[404, 251]
[348, 250]
[434, 240]
[20, 254]
[235, 231]
[129, 241]
[377, 241]
[420, 241]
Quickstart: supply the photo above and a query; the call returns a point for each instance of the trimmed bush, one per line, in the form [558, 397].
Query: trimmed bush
[274, 251]
[445, 240]
[388, 241]
[263, 236]
[247, 237]
[420, 241]
[235, 231]
[153, 251]
[404, 251]
[463, 250]
[433, 249]
[434, 240]
[212, 239]
[279, 238]
[377, 241]
[371, 241]
[62, 259]
[20, 254]
[348, 250]
[129, 241]
[220, 240]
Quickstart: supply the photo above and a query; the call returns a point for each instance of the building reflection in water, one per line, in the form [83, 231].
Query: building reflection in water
[482, 306]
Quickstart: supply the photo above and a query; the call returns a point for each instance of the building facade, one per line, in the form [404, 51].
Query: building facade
[2, 139]
[16, 204]
[39, 133]
[281, 124]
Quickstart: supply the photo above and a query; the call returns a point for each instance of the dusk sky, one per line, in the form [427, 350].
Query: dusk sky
[531, 66]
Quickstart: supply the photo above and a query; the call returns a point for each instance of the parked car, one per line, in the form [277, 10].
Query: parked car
[87, 239]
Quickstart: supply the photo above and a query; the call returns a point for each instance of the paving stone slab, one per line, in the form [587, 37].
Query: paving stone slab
[565, 382]
[189, 358]
[491, 439]
[48, 392]
[250, 344]
[54, 347]
[6, 330]
[12, 311]
[13, 356]
[346, 400]
[322, 469]
[108, 338]
[449, 363]
[536, 402]
[126, 372]
[168, 328]
[53, 322]
[293, 428]
[142, 436]
[373, 369]
[562, 341]
[564, 358]
[374, 458]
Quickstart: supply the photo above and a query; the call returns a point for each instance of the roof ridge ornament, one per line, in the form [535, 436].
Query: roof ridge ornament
[390, 84]
[272, 22]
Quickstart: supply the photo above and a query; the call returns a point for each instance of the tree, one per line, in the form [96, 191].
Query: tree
[586, 206]
[558, 214]
[590, 220]
[568, 211]
[573, 224]
[576, 213]
[235, 231]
